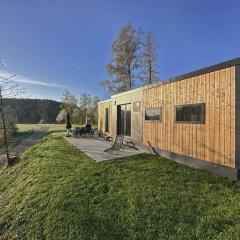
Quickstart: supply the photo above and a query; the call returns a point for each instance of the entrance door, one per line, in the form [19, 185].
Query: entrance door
[124, 119]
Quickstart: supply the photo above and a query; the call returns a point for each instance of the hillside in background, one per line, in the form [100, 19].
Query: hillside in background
[35, 110]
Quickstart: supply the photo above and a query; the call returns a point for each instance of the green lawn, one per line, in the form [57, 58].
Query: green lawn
[15, 140]
[57, 192]
[51, 126]
[25, 130]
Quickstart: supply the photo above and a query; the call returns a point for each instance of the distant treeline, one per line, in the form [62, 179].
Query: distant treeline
[34, 110]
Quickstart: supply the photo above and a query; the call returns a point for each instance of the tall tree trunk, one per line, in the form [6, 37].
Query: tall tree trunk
[150, 72]
[4, 126]
[129, 75]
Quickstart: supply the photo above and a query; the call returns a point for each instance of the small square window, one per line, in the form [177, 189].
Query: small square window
[153, 114]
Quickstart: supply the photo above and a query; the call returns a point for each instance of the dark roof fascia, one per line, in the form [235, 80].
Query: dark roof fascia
[216, 67]
[212, 68]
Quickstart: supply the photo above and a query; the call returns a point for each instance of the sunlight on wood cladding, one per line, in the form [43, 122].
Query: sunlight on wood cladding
[213, 141]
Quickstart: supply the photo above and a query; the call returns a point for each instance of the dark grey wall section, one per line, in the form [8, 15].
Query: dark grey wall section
[217, 169]
[237, 117]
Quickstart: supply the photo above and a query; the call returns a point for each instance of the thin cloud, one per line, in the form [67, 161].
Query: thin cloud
[42, 83]
[22, 79]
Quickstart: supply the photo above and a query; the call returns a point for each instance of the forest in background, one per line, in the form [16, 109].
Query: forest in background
[34, 110]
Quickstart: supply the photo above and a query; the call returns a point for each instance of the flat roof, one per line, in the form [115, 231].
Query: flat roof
[105, 101]
[212, 68]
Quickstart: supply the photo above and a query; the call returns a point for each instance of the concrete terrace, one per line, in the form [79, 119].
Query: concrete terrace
[94, 148]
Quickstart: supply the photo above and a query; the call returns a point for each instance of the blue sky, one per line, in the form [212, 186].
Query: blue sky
[65, 44]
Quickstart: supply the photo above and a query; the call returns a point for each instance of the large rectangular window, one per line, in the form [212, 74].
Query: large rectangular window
[106, 120]
[191, 113]
[153, 114]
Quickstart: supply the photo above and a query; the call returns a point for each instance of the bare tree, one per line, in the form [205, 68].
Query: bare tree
[125, 61]
[149, 73]
[8, 89]
[88, 108]
[69, 102]
[85, 103]
[68, 105]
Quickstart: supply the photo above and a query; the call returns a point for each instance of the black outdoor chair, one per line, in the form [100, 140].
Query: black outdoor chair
[129, 144]
[88, 130]
[76, 132]
[117, 145]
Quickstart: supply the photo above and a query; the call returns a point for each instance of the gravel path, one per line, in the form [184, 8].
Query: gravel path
[25, 144]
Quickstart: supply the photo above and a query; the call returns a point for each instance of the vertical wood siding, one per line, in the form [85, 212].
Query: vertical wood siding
[213, 141]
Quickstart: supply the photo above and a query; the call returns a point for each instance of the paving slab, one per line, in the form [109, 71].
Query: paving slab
[94, 148]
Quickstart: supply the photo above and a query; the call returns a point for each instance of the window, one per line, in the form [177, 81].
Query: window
[106, 120]
[191, 113]
[124, 119]
[153, 114]
[128, 120]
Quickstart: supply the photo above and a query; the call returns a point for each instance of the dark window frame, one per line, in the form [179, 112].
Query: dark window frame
[203, 121]
[156, 120]
[123, 126]
[107, 119]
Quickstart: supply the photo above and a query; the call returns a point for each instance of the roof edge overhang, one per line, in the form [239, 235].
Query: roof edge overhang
[212, 68]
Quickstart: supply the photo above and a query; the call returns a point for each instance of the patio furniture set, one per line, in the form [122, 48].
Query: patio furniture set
[84, 131]
[88, 131]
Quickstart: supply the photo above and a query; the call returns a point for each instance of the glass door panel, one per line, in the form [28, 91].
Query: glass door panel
[124, 119]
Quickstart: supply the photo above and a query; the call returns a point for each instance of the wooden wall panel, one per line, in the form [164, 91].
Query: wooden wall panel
[232, 128]
[222, 118]
[207, 117]
[213, 141]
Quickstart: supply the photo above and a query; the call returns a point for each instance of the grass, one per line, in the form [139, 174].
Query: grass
[25, 130]
[15, 140]
[57, 192]
[51, 126]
